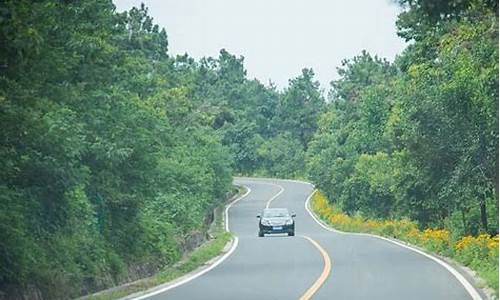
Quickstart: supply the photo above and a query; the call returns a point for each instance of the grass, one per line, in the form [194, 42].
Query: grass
[480, 253]
[192, 261]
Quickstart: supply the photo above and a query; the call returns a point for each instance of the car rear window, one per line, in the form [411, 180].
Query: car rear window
[276, 213]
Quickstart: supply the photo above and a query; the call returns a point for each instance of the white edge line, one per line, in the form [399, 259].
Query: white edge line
[465, 283]
[226, 212]
[194, 276]
[215, 264]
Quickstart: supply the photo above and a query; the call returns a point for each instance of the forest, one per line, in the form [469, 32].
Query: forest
[113, 151]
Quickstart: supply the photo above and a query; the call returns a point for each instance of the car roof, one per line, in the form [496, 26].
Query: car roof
[276, 209]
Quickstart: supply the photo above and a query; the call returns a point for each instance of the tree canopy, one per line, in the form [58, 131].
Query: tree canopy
[418, 138]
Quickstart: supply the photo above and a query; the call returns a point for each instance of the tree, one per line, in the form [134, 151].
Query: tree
[300, 107]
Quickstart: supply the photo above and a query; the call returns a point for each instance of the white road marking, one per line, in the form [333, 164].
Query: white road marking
[258, 181]
[226, 212]
[193, 276]
[275, 196]
[466, 284]
[215, 264]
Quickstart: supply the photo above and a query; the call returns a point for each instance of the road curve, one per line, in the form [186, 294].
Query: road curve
[282, 267]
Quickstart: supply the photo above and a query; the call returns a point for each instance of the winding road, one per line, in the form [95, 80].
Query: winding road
[317, 263]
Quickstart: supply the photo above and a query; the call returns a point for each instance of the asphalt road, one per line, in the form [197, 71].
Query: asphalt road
[282, 267]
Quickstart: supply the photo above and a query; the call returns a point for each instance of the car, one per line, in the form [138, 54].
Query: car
[276, 220]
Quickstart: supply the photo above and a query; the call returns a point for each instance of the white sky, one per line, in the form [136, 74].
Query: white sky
[278, 37]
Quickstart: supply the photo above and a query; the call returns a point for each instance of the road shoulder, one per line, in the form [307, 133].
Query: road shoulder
[468, 279]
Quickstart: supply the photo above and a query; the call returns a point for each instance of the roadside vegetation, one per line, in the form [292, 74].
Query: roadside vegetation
[418, 138]
[194, 260]
[114, 152]
[110, 164]
[480, 253]
[219, 239]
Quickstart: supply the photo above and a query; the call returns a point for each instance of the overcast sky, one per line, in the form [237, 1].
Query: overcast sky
[278, 37]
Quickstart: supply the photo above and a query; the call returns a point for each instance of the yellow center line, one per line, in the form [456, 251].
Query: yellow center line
[324, 275]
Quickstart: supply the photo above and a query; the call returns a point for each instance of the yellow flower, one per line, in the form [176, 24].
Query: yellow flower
[438, 240]
[493, 243]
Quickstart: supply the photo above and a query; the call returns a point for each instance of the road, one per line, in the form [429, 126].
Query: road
[282, 267]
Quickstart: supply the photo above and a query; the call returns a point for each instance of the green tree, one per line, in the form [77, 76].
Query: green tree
[300, 107]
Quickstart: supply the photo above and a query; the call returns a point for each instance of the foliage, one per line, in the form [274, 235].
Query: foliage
[195, 259]
[108, 162]
[422, 141]
[281, 156]
[300, 107]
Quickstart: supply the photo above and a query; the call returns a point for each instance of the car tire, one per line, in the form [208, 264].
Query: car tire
[291, 233]
[261, 234]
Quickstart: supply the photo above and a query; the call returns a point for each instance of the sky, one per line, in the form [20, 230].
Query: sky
[278, 38]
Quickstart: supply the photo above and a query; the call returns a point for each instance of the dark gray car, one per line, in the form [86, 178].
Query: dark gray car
[276, 220]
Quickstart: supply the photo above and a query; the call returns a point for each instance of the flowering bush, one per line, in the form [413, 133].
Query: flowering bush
[480, 253]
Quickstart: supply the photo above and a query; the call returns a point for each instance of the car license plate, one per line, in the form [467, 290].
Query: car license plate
[277, 227]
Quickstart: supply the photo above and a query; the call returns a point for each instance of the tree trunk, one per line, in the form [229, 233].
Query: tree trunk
[484, 217]
[464, 223]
